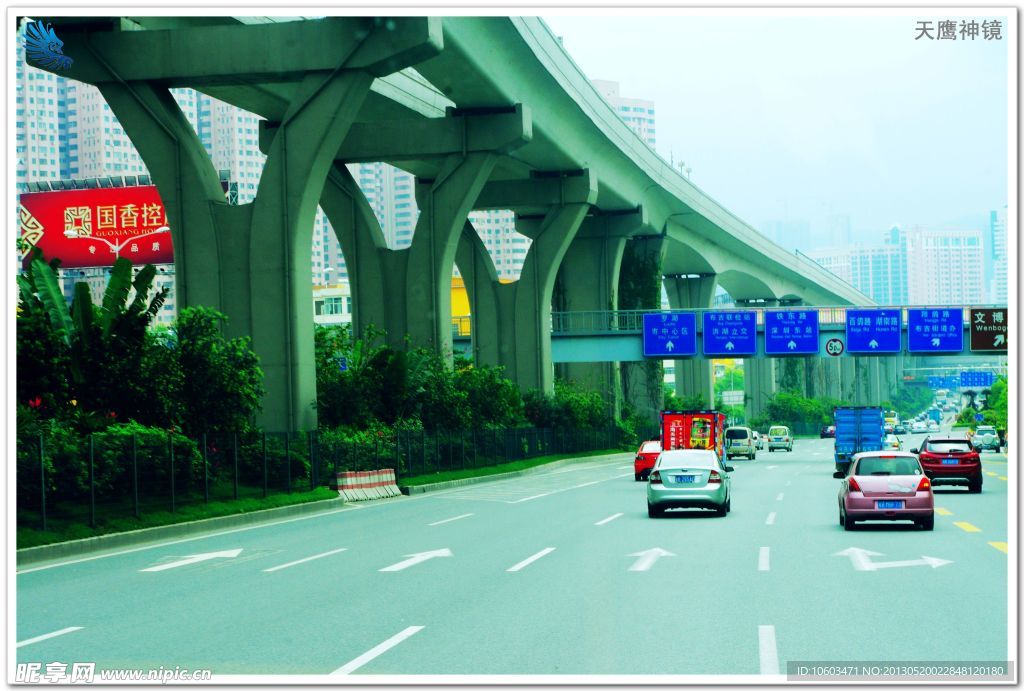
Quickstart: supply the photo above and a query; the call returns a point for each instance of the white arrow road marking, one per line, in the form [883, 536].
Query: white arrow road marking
[417, 558]
[767, 652]
[762, 559]
[449, 520]
[30, 641]
[303, 561]
[647, 558]
[779, 498]
[609, 519]
[788, 483]
[378, 650]
[194, 559]
[529, 560]
[861, 559]
[771, 519]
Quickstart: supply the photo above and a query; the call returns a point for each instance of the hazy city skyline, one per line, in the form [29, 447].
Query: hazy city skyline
[803, 119]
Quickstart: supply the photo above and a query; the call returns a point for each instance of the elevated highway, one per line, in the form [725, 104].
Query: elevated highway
[487, 113]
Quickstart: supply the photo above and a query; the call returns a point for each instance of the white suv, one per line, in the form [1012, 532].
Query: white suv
[985, 439]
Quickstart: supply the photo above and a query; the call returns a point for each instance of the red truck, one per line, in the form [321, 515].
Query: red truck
[693, 429]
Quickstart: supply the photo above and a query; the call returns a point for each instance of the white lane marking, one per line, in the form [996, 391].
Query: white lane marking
[529, 560]
[418, 558]
[767, 651]
[586, 484]
[30, 641]
[624, 467]
[772, 467]
[195, 559]
[449, 520]
[536, 496]
[609, 519]
[378, 650]
[303, 561]
[199, 537]
[762, 559]
[788, 483]
[771, 519]
[647, 558]
[779, 498]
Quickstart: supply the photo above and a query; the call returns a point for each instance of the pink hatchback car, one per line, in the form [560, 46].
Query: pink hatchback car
[886, 486]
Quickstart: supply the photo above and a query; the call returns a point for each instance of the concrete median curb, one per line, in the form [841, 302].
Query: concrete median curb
[449, 484]
[101, 543]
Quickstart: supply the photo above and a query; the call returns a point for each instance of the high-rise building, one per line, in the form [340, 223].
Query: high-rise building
[638, 113]
[996, 262]
[944, 267]
[878, 272]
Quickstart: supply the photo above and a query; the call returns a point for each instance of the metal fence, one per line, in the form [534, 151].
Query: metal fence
[97, 478]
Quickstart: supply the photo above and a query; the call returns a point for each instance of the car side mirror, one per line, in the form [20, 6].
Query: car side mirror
[839, 475]
[915, 451]
[727, 468]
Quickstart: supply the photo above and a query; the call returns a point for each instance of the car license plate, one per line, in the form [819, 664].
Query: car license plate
[737, 442]
[949, 461]
[685, 479]
[776, 438]
[889, 504]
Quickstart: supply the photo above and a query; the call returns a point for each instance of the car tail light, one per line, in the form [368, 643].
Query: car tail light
[973, 458]
[656, 478]
[714, 477]
[854, 487]
[925, 485]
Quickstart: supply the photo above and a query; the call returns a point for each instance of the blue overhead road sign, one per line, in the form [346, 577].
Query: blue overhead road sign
[873, 331]
[935, 330]
[670, 334]
[730, 333]
[791, 332]
[977, 379]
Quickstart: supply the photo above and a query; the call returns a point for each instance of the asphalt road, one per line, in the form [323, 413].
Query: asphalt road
[545, 575]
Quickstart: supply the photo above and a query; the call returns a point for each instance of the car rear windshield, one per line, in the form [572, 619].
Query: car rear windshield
[986, 430]
[651, 447]
[736, 434]
[688, 460]
[778, 431]
[948, 446]
[900, 465]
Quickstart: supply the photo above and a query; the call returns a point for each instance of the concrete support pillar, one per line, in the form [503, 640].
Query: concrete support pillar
[875, 393]
[832, 377]
[694, 376]
[847, 379]
[759, 384]
[643, 382]
[371, 266]
[512, 321]
[251, 262]
[588, 280]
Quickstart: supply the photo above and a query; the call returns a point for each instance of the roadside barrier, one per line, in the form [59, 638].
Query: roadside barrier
[367, 484]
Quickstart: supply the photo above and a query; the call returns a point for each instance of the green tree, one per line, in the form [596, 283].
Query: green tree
[219, 380]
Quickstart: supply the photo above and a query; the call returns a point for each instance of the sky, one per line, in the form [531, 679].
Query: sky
[800, 118]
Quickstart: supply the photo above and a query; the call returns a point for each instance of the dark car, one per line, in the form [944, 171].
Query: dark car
[900, 429]
[951, 461]
[828, 431]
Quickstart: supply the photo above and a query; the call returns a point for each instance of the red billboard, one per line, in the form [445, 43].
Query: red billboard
[93, 227]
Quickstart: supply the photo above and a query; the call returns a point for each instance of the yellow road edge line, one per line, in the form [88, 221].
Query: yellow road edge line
[944, 512]
[989, 472]
[967, 527]
[1001, 546]
[1002, 477]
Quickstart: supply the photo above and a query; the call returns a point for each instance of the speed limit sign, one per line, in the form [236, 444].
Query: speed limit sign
[834, 346]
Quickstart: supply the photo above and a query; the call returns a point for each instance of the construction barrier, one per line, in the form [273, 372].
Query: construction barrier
[367, 484]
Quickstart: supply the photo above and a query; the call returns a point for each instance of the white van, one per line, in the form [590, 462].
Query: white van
[739, 441]
[779, 437]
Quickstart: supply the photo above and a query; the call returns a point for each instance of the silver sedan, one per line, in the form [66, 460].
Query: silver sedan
[689, 478]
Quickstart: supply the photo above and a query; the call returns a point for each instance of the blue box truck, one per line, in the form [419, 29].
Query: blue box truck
[858, 428]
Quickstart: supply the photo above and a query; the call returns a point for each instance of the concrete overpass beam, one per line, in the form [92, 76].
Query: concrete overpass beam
[694, 376]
